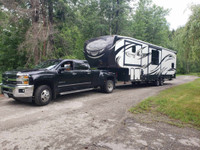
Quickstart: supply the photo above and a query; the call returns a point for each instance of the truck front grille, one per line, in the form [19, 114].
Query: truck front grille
[9, 79]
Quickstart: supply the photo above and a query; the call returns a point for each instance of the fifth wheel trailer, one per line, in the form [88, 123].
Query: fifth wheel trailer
[131, 59]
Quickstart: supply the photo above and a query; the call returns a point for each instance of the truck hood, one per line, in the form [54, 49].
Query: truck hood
[29, 72]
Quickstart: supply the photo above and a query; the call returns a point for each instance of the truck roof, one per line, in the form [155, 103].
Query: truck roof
[75, 60]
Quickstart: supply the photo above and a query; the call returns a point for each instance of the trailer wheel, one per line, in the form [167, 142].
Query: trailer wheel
[133, 84]
[108, 86]
[17, 100]
[156, 83]
[43, 95]
[161, 82]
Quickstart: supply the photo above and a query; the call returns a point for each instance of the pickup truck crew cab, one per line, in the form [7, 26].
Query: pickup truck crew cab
[55, 77]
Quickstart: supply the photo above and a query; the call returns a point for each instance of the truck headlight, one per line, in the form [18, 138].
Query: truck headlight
[23, 79]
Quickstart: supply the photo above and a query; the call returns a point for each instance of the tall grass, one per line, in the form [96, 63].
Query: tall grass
[181, 102]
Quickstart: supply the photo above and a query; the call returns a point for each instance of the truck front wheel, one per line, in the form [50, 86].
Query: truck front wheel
[108, 86]
[43, 95]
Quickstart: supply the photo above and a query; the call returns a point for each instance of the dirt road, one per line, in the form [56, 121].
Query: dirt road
[91, 120]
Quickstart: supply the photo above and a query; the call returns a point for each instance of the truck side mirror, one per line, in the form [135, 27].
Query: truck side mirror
[61, 69]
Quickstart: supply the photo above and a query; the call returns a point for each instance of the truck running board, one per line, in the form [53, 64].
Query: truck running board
[69, 92]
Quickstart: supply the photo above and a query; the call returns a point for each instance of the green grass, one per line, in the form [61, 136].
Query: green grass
[0, 81]
[181, 103]
[193, 74]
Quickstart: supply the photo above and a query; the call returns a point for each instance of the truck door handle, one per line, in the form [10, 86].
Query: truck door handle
[74, 74]
[89, 73]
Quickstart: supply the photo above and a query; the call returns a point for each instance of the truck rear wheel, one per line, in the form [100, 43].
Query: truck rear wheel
[43, 95]
[108, 86]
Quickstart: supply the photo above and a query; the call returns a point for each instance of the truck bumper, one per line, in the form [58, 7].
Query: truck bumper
[18, 91]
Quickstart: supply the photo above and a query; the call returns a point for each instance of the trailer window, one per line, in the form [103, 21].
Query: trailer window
[155, 57]
[172, 65]
[133, 49]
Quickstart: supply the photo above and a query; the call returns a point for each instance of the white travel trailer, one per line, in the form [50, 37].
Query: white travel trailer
[131, 59]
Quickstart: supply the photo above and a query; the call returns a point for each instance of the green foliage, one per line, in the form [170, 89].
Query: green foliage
[149, 23]
[142, 107]
[79, 21]
[11, 37]
[69, 41]
[0, 77]
[186, 41]
[26, 42]
[181, 103]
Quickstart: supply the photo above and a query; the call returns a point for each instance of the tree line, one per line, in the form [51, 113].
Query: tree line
[35, 30]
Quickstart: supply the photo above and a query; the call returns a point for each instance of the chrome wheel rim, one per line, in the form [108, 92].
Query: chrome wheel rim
[45, 95]
[110, 86]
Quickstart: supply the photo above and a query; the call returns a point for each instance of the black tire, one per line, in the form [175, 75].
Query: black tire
[17, 100]
[43, 95]
[161, 82]
[33, 101]
[108, 86]
[156, 83]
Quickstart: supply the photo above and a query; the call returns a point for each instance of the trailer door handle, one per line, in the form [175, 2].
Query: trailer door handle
[74, 74]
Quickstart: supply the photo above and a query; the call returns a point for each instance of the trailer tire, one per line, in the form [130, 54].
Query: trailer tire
[108, 86]
[17, 100]
[133, 84]
[43, 95]
[161, 82]
[156, 83]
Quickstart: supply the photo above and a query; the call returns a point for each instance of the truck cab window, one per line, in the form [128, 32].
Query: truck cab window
[67, 65]
[81, 66]
[155, 57]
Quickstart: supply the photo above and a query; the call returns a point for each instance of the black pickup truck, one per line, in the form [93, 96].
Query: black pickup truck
[55, 77]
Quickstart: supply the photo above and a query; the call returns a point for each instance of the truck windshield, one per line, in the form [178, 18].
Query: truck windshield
[49, 64]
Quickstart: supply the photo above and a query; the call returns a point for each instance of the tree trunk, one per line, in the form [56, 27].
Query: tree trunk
[35, 10]
[50, 8]
[117, 18]
[44, 14]
[35, 18]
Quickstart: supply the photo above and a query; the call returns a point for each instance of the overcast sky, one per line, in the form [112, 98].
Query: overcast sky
[180, 11]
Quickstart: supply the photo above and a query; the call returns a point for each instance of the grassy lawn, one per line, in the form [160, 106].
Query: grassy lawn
[193, 74]
[181, 103]
[0, 81]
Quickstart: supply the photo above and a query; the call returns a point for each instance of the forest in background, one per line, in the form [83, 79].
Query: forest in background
[32, 31]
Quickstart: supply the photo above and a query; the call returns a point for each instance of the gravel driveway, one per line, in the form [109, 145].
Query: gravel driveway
[91, 120]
